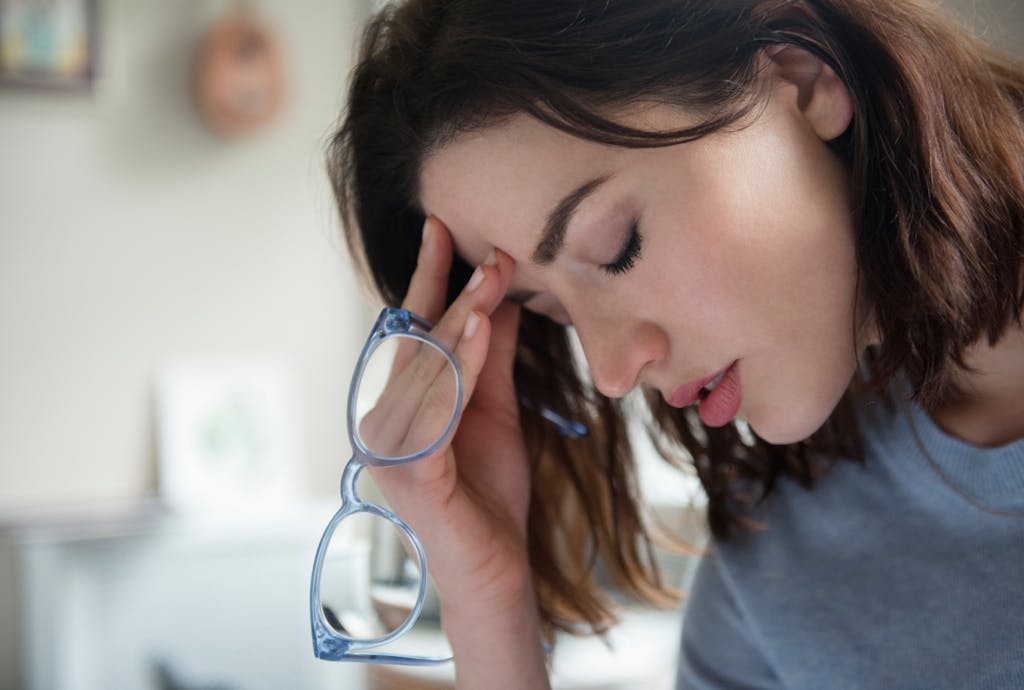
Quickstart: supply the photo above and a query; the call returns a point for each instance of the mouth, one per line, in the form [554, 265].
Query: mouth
[697, 391]
[706, 389]
[721, 404]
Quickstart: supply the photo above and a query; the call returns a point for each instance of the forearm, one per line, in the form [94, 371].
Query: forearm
[497, 649]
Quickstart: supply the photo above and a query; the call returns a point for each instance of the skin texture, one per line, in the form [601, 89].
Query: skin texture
[746, 251]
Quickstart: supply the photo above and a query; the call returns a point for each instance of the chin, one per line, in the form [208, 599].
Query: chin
[784, 424]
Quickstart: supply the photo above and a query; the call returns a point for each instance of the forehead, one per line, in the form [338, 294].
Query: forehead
[495, 186]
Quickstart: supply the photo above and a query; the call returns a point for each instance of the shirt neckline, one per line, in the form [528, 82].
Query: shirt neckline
[991, 478]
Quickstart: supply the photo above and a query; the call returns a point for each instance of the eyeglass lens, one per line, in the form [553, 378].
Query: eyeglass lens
[368, 585]
[406, 397]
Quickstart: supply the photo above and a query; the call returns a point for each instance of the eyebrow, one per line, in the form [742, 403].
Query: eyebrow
[552, 238]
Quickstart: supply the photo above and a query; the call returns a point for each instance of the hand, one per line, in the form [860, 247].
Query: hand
[468, 501]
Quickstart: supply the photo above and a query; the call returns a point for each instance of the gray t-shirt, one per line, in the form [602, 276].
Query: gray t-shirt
[894, 574]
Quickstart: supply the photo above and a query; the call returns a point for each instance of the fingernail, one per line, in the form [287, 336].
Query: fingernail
[475, 279]
[492, 259]
[471, 323]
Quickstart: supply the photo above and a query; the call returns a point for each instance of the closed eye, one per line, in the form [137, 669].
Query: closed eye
[628, 255]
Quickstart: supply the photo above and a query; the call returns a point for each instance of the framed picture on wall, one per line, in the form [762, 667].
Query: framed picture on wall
[227, 432]
[48, 44]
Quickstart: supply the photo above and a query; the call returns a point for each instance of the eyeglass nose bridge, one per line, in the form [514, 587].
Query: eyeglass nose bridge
[331, 644]
[349, 477]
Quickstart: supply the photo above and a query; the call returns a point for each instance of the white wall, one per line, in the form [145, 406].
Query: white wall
[129, 234]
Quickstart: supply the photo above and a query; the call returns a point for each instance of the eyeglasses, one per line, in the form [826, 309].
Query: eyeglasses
[345, 632]
[389, 424]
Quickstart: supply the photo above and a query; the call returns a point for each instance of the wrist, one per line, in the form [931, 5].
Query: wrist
[497, 644]
[507, 596]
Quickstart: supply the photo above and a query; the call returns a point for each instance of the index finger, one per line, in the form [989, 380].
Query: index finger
[429, 283]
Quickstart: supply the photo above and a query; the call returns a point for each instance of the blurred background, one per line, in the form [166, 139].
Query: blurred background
[178, 323]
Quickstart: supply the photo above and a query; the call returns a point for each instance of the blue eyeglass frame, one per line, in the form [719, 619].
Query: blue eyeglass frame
[329, 644]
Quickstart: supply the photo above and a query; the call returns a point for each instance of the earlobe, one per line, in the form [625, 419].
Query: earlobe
[822, 96]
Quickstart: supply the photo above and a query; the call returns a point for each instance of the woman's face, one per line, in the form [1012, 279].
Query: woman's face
[745, 258]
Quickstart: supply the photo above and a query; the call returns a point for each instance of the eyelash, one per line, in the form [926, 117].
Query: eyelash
[629, 254]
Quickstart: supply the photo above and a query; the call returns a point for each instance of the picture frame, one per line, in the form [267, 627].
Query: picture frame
[48, 44]
[227, 435]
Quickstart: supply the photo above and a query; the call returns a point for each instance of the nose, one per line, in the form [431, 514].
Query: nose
[617, 352]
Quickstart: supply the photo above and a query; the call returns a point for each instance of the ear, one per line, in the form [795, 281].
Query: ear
[821, 95]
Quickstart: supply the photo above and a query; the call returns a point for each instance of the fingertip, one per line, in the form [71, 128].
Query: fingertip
[439, 230]
[506, 267]
[442, 239]
[429, 282]
[502, 259]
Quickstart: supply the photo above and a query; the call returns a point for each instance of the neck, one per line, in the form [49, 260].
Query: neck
[988, 410]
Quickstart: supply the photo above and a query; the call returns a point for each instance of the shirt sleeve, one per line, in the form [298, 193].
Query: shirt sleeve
[719, 650]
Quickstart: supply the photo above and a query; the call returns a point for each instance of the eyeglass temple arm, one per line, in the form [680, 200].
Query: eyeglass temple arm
[566, 427]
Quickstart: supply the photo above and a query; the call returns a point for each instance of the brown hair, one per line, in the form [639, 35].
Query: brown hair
[936, 160]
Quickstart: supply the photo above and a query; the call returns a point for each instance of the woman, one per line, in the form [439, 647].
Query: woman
[804, 216]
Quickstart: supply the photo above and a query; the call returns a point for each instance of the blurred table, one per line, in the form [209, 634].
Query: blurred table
[640, 654]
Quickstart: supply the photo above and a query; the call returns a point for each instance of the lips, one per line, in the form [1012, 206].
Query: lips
[690, 393]
[721, 405]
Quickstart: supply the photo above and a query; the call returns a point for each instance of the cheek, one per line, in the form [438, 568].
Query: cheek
[787, 267]
[809, 289]
[787, 291]
[777, 213]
